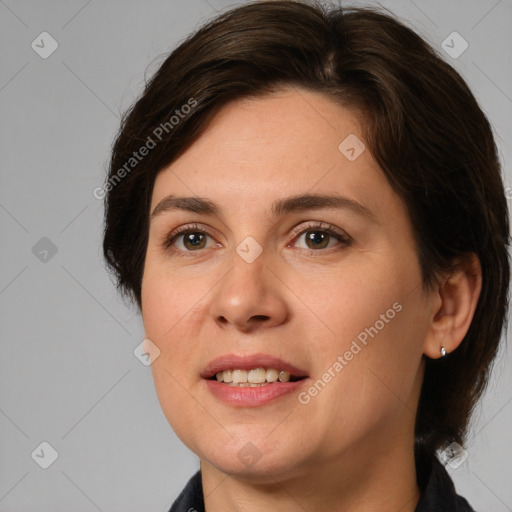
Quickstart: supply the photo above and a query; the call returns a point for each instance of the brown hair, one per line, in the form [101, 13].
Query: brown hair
[422, 125]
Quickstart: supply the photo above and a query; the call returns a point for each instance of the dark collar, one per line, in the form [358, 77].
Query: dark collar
[438, 492]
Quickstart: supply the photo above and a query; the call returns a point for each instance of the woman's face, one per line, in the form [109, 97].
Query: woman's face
[262, 280]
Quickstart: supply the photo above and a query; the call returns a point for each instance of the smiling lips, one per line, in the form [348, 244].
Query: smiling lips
[248, 381]
[253, 378]
[253, 364]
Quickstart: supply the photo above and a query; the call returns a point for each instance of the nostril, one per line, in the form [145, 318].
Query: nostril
[260, 317]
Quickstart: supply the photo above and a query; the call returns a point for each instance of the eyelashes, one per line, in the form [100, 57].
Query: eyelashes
[319, 227]
[201, 233]
[180, 232]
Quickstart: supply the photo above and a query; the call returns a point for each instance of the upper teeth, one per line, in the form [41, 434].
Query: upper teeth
[256, 376]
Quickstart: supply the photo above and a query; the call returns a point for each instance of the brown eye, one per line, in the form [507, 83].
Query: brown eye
[317, 239]
[187, 239]
[193, 240]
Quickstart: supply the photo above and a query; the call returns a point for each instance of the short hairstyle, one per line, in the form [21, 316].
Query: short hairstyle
[420, 121]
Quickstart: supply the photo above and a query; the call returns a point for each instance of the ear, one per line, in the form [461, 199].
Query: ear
[454, 302]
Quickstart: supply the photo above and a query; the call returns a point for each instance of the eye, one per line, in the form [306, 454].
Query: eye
[188, 239]
[317, 236]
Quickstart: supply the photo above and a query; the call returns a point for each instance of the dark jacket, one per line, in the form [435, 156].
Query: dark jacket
[437, 492]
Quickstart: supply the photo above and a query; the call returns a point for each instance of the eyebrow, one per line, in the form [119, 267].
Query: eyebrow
[279, 208]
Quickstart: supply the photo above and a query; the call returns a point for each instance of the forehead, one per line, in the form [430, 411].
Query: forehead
[281, 144]
[295, 125]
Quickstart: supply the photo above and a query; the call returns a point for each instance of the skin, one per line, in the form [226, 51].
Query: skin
[351, 446]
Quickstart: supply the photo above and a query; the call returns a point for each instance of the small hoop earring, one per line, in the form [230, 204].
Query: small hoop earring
[443, 352]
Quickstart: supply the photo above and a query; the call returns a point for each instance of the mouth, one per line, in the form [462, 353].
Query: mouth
[254, 377]
[252, 381]
[255, 370]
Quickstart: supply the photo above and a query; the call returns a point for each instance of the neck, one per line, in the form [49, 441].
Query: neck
[365, 480]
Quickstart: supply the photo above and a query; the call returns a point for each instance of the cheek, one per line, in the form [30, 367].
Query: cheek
[375, 299]
[349, 304]
[161, 314]
[370, 338]
[168, 312]
[173, 306]
[168, 302]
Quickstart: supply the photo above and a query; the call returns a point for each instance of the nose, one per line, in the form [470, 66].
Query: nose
[249, 297]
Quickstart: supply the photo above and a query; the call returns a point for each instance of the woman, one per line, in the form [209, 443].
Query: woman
[308, 210]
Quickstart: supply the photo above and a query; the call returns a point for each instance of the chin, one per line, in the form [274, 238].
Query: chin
[257, 460]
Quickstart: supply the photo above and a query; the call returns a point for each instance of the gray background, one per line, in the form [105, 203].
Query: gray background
[68, 375]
